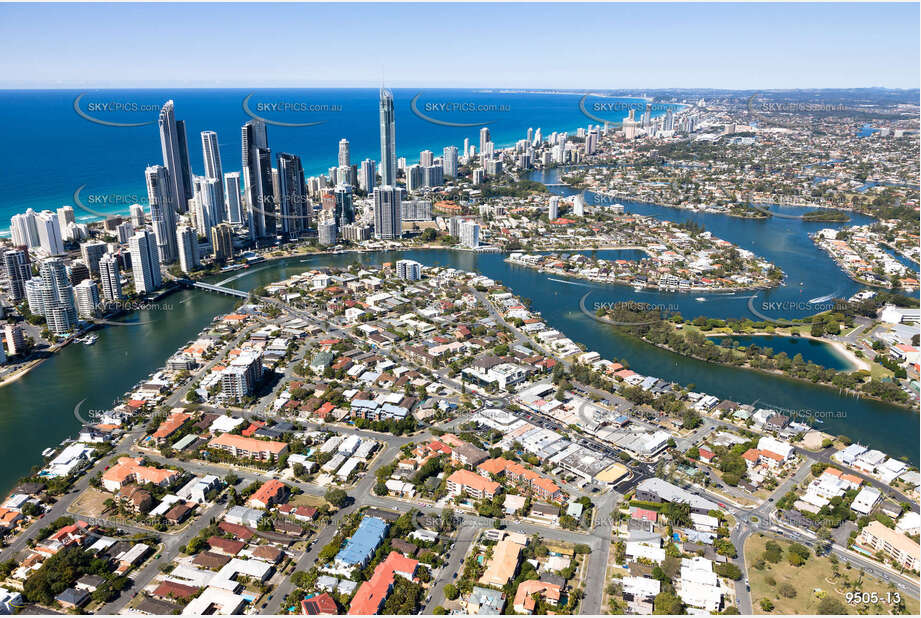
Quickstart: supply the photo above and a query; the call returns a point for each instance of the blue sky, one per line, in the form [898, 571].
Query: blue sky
[736, 46]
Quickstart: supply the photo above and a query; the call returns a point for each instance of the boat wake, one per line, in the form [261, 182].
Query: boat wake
[584, 285]
[822, 299]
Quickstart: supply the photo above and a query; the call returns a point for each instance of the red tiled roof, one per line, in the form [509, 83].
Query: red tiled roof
[322, 604]
[371, 594]
[270, 492]
[228, 546]
[175, 590]
[241, 532]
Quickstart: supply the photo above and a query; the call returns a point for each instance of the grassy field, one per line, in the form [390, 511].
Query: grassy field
[308, 500]
[812, 582]
[90, 503]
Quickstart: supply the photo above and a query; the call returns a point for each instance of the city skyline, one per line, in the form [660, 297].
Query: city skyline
[514, 348]
[818, 39]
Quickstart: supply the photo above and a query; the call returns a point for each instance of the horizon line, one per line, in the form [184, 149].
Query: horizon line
[484, 87]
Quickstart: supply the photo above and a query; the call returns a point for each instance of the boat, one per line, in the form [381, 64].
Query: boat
[88, 340]
[637, 288]
[700, 299]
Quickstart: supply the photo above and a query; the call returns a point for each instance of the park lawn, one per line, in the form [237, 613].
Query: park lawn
[878, 372]
[816, 573]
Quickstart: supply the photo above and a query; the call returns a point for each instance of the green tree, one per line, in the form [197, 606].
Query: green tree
[667, 603]
[337, 497]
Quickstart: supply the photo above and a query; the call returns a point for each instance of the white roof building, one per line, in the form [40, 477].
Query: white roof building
[909, 523]
[773, 445]
[641, 587]
[68, 460]
[224, 424]
[865, 500]
[649, 549]
[215, 601]
[699, 586]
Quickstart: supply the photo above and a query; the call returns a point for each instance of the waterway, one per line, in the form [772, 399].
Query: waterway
[38, 410]
[811, 350]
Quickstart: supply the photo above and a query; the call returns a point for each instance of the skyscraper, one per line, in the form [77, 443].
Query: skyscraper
[49, 233]
[145, 263]
[292, 192]
[214, 170]
[388, 143]
[578, 206]
[387, 213]
[222, 241]
[66, 216]
[175, 157]
[484, 139]
[57, 296]
[345, 158]
[137, 216]
[470, 234]
[209, 200]
[326, 232]
[415, 178]
[92, 252]
[368, 176]
[433, 176]
[188, 248]
[110, 278]
[426, 157]
[162, 215]
[124, 231]
[87, 295]
[17, 271]
[257, 174]
[15, 340]
[345, 207]
[24, 229]
[232, 197]
[449, 161]
[409, 270]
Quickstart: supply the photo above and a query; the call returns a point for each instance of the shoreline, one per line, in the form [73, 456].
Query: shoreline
[858, 364]
[563, 273]
[909, 406]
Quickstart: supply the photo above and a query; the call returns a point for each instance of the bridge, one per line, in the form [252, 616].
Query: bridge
[214, 288]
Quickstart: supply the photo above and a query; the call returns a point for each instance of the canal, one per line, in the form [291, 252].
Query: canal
[37, 411]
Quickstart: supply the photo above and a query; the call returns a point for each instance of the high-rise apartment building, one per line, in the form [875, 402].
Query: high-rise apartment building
[388, 143]
[387, 213]
[145, 262]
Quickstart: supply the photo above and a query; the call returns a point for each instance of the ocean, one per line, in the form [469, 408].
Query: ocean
[53, 149]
